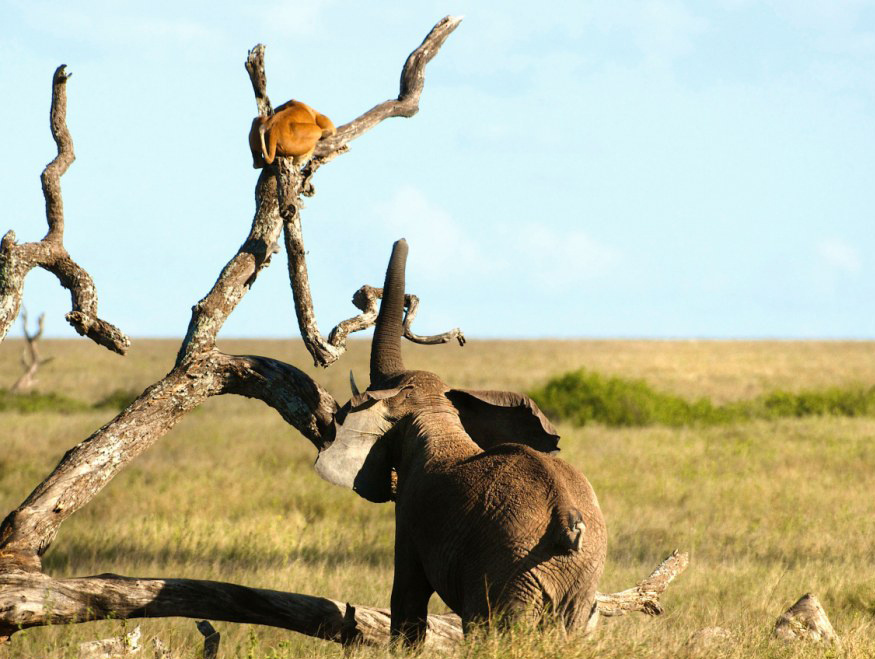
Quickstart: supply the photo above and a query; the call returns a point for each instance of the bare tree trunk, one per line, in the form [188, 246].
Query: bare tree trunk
[30, 598]
[201, 370]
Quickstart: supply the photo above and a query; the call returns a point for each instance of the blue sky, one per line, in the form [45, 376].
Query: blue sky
[595, 169]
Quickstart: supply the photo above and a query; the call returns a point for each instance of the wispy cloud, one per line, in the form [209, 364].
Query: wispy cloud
[525, 253]
[447, 247]
[299, 18]
[662, 30]
[558, 258]
[114, 24]
[839, 255]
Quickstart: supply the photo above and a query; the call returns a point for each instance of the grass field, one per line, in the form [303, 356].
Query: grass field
[768, 510]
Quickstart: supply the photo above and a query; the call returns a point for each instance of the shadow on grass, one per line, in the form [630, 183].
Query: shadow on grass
[70, 557]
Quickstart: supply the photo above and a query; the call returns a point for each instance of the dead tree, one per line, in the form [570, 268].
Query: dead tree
[30, 357]
[30, 598]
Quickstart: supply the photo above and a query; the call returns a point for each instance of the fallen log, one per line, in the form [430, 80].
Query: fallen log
[32, 599]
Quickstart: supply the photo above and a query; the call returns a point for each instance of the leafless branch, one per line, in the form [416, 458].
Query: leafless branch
[30, 357]
[200, 371]
[412, 303]
[407, 103]
[293, 184]
[49, 253]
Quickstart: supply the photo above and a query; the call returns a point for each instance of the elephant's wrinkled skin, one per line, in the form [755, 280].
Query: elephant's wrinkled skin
[484, 516]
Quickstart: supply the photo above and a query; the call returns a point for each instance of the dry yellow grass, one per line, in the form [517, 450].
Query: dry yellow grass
[768, 510]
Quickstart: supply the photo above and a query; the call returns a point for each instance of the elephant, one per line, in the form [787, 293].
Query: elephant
[291, 131]
[486, 515]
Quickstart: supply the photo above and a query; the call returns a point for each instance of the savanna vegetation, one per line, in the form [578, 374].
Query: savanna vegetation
[582, 397]
[769, 507]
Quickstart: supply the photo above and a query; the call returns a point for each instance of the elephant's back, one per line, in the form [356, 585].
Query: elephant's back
[498, 528]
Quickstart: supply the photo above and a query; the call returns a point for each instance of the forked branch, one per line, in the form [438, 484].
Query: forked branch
[293, 184]
[30, 357]
[200, 371]
[16, 261]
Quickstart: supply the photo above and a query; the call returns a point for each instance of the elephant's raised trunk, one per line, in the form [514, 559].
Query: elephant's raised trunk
[386, 346]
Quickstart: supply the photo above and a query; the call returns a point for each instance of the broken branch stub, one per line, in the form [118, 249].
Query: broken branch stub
[644, 597]
[806, 620]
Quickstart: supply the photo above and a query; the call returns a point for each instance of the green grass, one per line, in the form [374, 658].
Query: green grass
[582, 397]
[769, 508]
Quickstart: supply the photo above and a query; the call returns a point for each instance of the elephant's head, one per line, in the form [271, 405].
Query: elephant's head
[371, 426]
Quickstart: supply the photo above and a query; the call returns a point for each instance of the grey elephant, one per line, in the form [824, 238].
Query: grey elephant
[485, 516]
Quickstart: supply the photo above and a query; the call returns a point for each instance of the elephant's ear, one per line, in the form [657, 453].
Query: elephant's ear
[359, 458]
[501, 417]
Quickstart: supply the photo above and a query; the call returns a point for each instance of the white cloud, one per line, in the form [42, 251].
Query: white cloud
[663, 30]
[839, 255]
[521, 253]
[442, 244]
[529, 252]
[557, 258]
[300, 18]
[114, 24]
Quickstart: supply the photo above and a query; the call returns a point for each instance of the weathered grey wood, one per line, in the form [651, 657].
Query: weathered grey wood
[407, 103]
[49, 253]
[112, 648]
[30, 599]
[28, 531]
[806, 620]
[294, 183]
[201, 371]
[412, 304]
[644, 597]
[33, 599]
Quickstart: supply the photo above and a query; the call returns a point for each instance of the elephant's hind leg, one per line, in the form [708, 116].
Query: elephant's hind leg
[410, 594]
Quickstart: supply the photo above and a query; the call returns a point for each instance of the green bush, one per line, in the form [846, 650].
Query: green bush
[583, 396]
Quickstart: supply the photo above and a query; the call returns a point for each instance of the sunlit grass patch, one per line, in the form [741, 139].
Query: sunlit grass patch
[769, 508]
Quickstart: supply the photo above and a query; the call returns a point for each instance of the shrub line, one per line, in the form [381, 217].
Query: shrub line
[583, 396]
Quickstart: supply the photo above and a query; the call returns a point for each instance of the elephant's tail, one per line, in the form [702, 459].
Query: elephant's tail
[569, 527]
